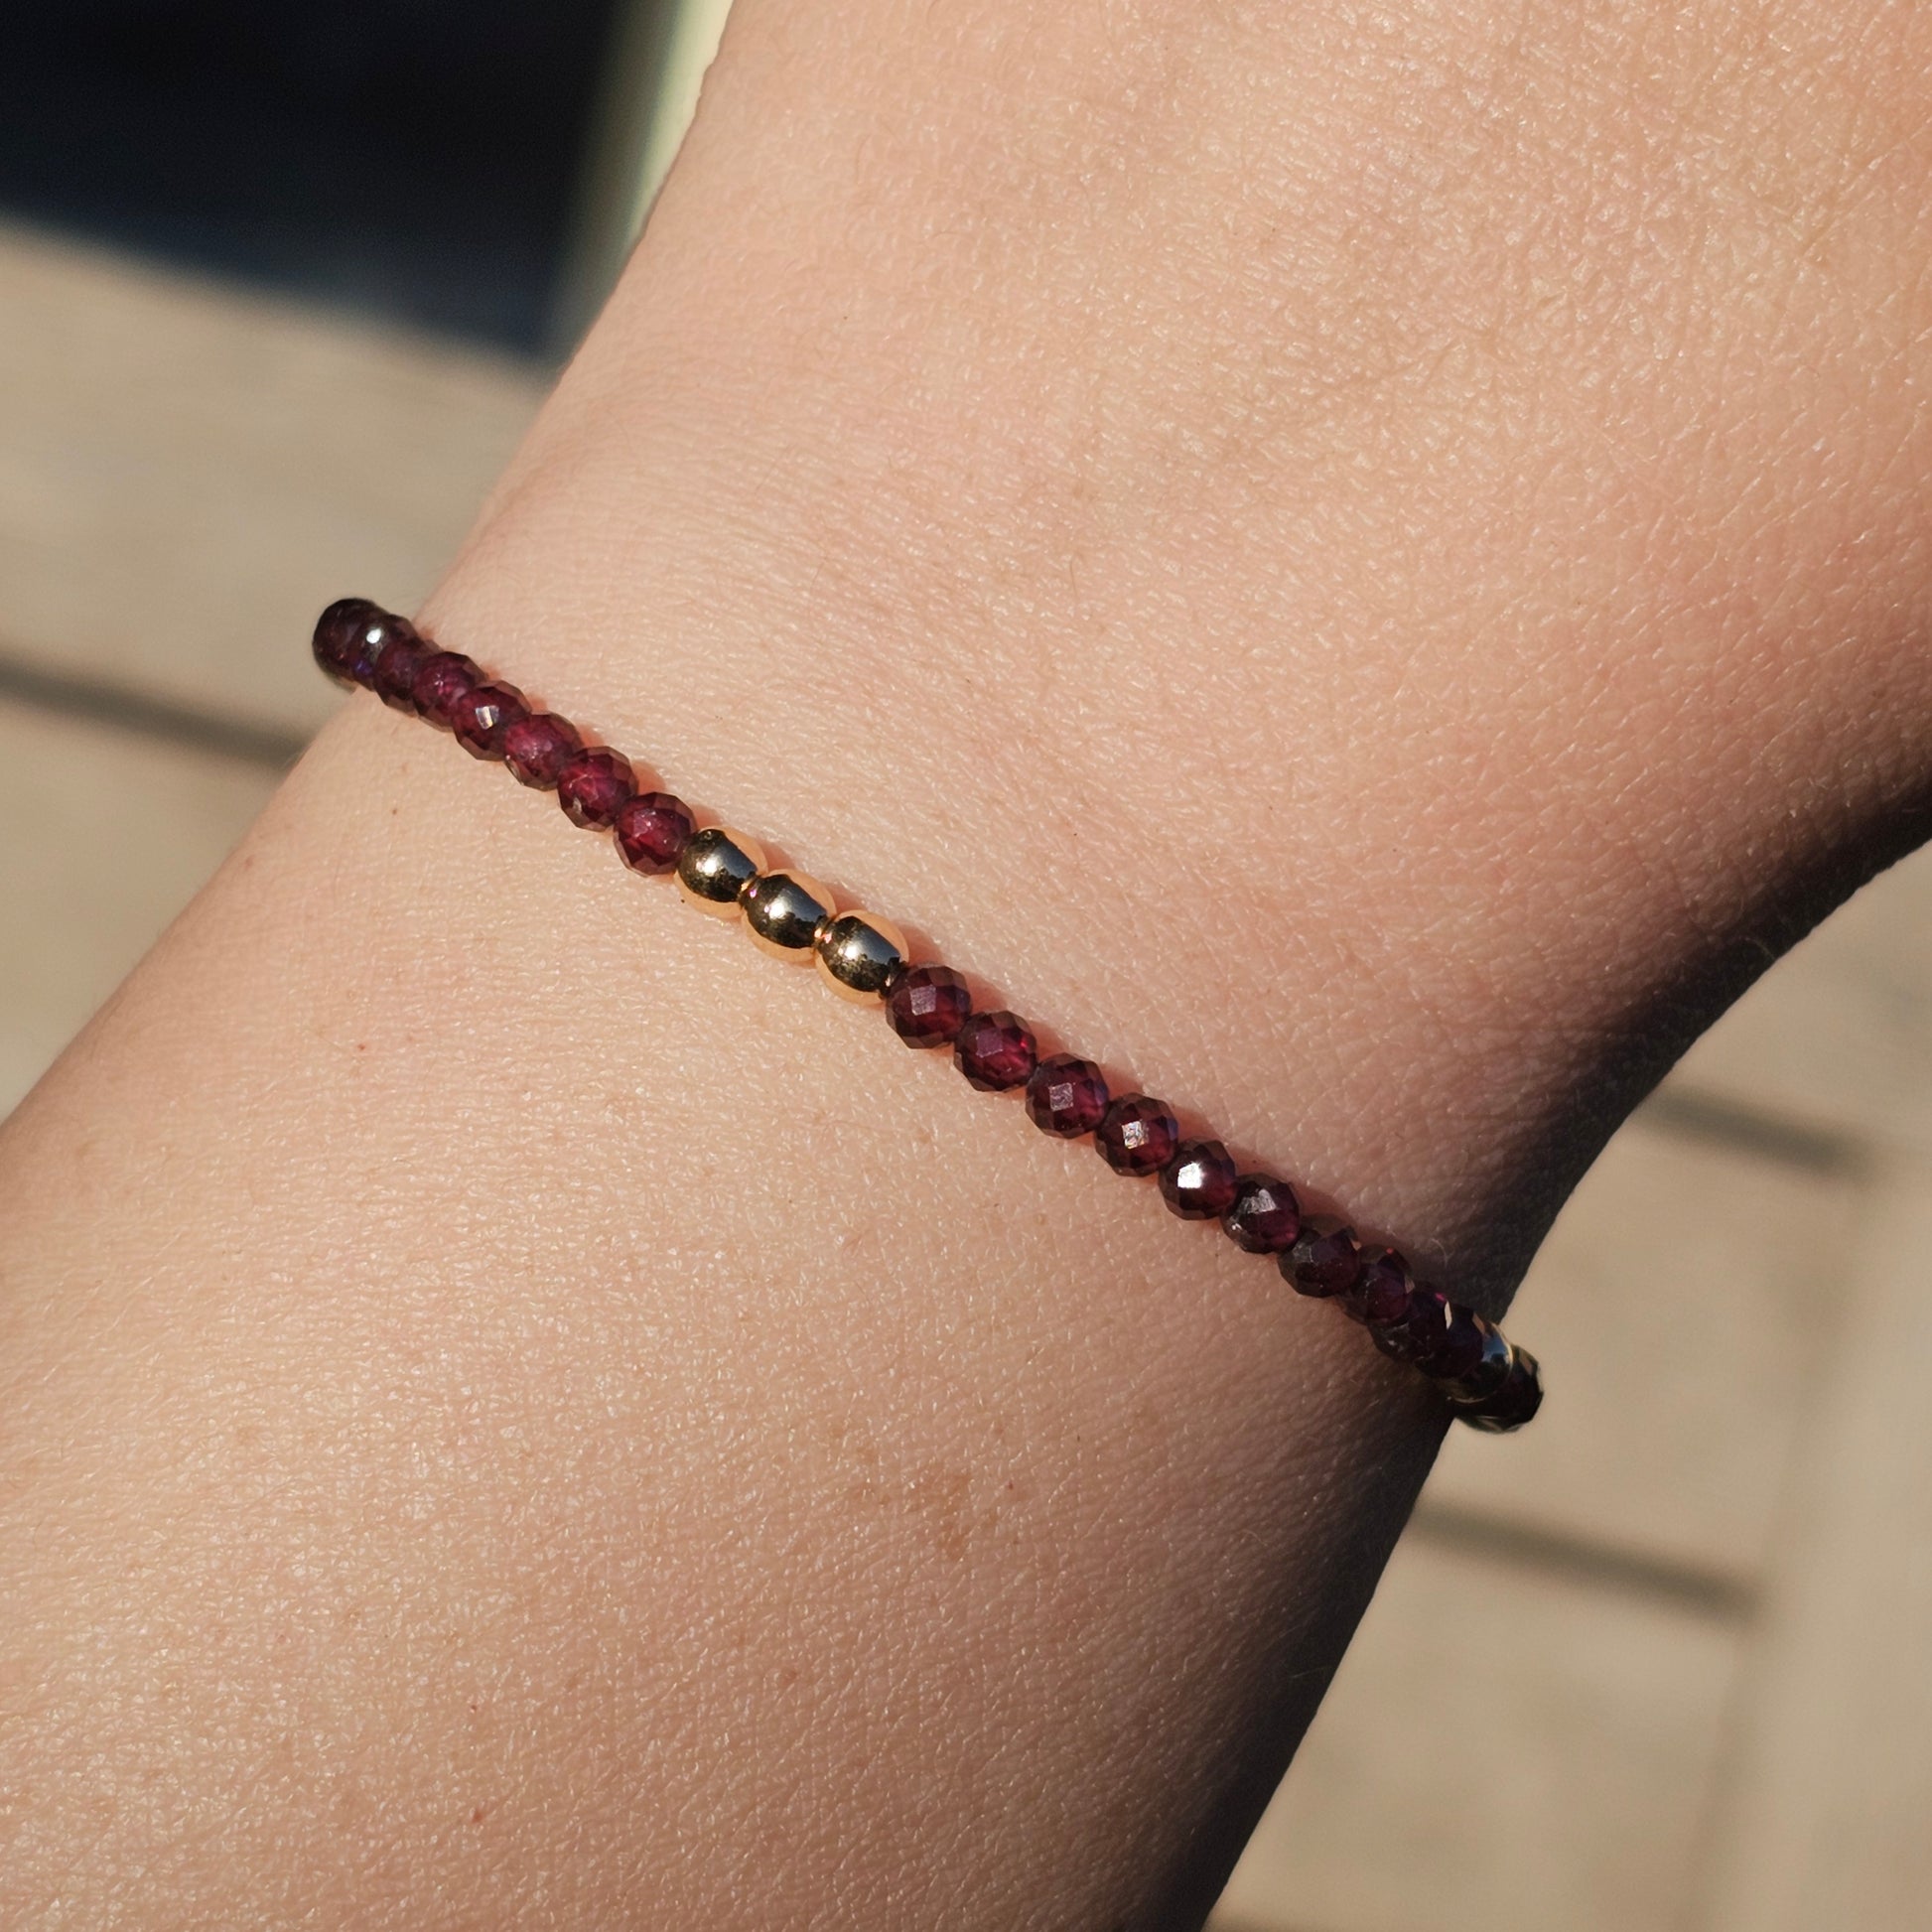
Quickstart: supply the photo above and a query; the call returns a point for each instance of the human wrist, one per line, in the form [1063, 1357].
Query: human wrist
[943, 556]
[528, 1365]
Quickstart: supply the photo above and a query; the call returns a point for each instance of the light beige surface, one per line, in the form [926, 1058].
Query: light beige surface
[189, 474]
[1661, 1662]
[1509, 1671]
[1675, 1455]
[1825, 1819]
[104, 839]
[1841, 1034]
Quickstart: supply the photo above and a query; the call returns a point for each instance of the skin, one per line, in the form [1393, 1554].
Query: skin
[1365, 566]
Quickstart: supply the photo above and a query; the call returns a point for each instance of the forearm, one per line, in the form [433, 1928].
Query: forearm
[518, 1407]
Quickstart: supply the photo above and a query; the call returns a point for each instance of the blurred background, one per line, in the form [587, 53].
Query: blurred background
[280, 288]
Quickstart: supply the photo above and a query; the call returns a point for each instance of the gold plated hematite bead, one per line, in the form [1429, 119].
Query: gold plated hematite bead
[784, 911]
[716, 865]
[861, 955]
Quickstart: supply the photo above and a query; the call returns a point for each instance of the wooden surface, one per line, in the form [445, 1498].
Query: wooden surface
[1663, 1662]
[189, 474]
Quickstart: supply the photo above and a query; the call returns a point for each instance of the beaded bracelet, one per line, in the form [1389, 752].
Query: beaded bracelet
[1490, 1383]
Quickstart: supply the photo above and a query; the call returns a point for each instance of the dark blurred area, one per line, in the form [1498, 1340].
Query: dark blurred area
[415, 158]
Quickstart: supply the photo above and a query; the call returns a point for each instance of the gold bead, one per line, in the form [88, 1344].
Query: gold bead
[784, 911]
[716, 865]
[860, 955]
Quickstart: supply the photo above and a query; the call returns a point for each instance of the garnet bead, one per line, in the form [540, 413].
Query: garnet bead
[351, 635]
[441, 679]
[1411, 1334]
[482, 716]
[1137, 1136]
[1067, 1096]
[652, 831]
[395, 672]
[995, 1050]
[1265, 1217]
[1323, 1258]
[928, 1006]
[1381, 1292]
[594, 787]
[1453, 1349]
[1199, 1183]
[537, 747]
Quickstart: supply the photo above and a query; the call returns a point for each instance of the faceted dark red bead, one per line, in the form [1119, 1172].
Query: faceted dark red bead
[1136, 1135]
[594, 787]
[441, 679]
[350, 638]
[1067, 1096]
[1265, 1217]
[1199, 1183]
[651, 831]
[995, 1050]
[1425, 1323]
[395, 671]
[1381, 1292]
[1323, 1258]
[481, 716]
[1452, 1350]
[537, 747]
[1429, 1311]
[1415, 1331]
[1491, 1368]
[928, 1006]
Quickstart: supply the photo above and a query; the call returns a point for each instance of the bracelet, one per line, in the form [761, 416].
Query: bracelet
[1488, 1381]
